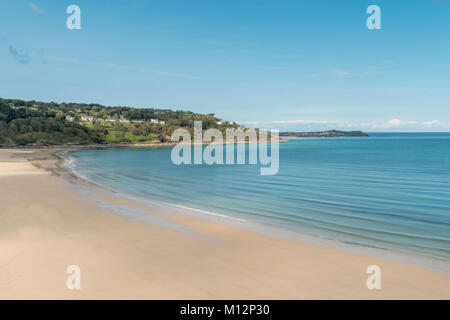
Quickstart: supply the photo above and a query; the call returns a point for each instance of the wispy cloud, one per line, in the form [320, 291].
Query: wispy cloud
[36, 8]
[395, 123]
[120, 67]
[432, 123]
[21, 57]
[339, 73]
[276, 68]
[24, 58]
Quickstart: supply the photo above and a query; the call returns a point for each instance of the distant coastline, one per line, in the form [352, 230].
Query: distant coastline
[324, 134]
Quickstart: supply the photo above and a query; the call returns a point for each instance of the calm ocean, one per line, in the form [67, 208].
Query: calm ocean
[387, 190]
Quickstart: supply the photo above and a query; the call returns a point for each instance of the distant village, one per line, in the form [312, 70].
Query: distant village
[79, 115]
[85, 118]
[72, 116]
[89, 116]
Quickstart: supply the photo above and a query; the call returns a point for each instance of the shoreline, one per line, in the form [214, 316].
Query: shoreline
[114, 145]
[416, 259]
[155, 254]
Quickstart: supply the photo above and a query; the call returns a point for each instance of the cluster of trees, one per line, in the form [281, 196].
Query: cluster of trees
[32, 122]
[40, 130]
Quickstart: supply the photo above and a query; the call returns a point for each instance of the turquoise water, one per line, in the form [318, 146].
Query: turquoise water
[388, 190]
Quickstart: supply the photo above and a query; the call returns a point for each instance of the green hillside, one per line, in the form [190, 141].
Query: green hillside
[48, 123]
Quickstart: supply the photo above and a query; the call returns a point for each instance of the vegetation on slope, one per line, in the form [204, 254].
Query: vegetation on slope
[38, 123]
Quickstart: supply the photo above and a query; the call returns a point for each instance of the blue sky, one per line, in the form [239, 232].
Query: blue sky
[297, 65]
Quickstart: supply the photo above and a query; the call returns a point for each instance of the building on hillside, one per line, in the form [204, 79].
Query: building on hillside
[154, 120]
[70, 118]
[220, 122]
[123, 120]
[87, 118]
[11, 105]
[162, 122]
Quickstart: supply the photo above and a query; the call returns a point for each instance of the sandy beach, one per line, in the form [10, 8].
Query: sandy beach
[45, 226]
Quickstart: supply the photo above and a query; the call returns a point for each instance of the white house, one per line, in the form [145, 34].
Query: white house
[87, 118]
[220, 122]
[154, 120]
[162, 122]
[122, 119]
[70, 118]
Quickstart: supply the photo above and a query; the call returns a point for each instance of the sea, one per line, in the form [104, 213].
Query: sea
[388, 190]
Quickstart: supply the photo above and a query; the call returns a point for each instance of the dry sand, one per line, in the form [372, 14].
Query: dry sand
[45, 226]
